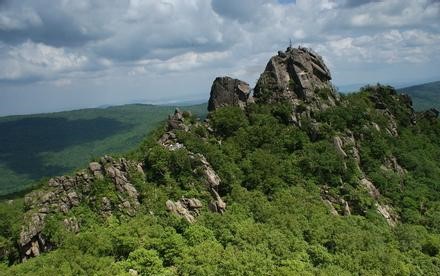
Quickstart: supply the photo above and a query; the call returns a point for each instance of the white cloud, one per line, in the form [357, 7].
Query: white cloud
[109, 40]
[37, 60]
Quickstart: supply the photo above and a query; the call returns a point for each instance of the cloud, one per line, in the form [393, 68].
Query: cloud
[241, 10]
[55, 23]
[357, 3]
[60, 42]
[33, 61]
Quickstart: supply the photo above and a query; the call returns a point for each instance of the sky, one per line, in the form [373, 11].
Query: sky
[68, 54]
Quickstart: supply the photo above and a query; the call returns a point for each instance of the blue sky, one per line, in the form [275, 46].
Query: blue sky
[68, 54]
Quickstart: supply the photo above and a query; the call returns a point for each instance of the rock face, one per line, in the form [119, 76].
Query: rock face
[431, 114]
[388, 102]
[175, 122]
[187, 208]
[297, 75]
[66, 192]
[226, 91]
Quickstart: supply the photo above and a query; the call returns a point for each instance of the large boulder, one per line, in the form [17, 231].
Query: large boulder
[226, 91]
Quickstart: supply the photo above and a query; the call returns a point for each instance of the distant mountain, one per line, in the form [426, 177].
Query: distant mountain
[425, 95]
[43, 145]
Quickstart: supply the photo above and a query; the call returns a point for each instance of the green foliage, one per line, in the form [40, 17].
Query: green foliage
[424, 96]
[273, 177]
[227, 120]
[44, 145]
[145, 262]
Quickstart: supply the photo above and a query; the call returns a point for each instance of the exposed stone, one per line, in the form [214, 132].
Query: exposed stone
[65, 192]
[369, 186]
[338, 145]
[300, 77]
[388, 213]
[177, 121]
[71, 224]
[106, 204]
[188, 208]
[226, 91]
[430, 114]
[336, 204]
[73, 197]
[169, 141]
[95, 166]
[392, 165]
[331, 207]
[381, 96]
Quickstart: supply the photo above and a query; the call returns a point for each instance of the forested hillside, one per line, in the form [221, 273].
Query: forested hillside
[45, 145]
[425, 95]
[294, 180]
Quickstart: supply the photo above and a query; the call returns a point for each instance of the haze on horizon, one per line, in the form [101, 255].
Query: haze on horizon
[60, 55]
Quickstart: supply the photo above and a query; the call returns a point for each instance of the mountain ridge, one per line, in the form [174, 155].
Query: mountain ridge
[293, 179]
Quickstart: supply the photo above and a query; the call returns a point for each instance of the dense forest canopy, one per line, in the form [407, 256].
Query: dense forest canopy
[276, 222]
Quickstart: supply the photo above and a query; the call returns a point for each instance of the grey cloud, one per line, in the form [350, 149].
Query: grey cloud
[130, 40]
[241, 10]
[357, 3]
[50, 22]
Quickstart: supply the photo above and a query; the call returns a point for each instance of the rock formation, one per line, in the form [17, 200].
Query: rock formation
[431, 114]
[188, 208]
[298, 76]
[389, 103]
[66, 192]
[184, 207]
[226, 91]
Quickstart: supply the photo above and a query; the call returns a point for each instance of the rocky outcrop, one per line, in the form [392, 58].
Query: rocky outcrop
[175, 122]
[298, 76]
[226, 91]
[391, 164]
[66, 192]
[385, 210]
[430, 114]
[185, 207]
[336, 204]
[346, 146]
[188, 208]
[212, 182]
[388, 213]
[387, 101]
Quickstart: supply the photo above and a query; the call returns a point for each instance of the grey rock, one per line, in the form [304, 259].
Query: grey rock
[71, 224]
[226, 91]
[388, 213]
[188, 208]
[73, 198]
[95, 166]
[338, 145]
[297, 75]
[431, 114]
[369, 186]
[106, 204]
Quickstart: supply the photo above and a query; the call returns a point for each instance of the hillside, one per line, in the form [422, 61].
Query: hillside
[292, 180]
[424, 96]
[44, 145]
